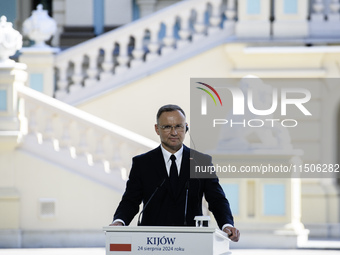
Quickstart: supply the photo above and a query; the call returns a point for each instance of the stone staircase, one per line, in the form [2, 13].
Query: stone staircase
[77, 141]
[142, 47]
[183, 30]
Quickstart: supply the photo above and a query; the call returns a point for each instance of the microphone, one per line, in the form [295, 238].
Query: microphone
[146, 204]
[186, 202]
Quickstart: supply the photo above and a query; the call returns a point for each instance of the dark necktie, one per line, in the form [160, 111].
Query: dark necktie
[173, 173]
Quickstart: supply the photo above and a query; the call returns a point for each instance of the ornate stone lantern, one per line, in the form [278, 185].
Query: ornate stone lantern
[39, 27]
[10, 40]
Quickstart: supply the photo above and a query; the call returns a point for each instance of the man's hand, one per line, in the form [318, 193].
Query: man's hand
[117, 223]
[233, 233]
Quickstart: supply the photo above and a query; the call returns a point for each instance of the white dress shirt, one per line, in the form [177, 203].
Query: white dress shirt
[167, 160]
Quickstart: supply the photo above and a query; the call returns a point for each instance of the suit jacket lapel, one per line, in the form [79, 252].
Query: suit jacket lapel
[184, 175]
[160, 164]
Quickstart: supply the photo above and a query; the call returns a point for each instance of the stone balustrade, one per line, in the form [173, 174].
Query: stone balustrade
[67, 130]
[146, 40]
[108, 58]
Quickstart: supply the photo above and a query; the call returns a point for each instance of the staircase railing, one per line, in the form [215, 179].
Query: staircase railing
[145, 40]
[77, 134]
[148, 41]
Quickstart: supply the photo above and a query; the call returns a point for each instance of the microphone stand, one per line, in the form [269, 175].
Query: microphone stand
[139, 219]
[186, 203]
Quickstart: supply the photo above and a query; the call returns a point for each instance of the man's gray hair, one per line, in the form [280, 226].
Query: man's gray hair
[169, 108]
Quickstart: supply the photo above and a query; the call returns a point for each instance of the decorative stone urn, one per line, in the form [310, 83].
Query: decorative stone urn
[39, 27]
[10, 40]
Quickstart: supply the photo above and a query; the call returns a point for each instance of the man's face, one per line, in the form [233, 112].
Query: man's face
[171, 138]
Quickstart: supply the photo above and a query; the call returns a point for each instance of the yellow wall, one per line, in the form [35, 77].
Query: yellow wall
[80, 202]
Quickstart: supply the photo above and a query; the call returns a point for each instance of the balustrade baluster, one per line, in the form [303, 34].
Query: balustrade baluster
[92, 70]
[123, 58]
[62, 82]
[40, 127]
[138, 51]
[107, 64]
[334, 15]
[48, 130]
[318, 7]
[32, 118]
[215, 17]
[184, 32]
[82, 148]
[153, 45]
[98, 146]
[125, 154]
[200, 27]
[115, 159]
[230, 13]
[22, 117]
[334, 6]
[32, 115]
[77, 76]
[65, 139]
[106, 165]
[169, 39]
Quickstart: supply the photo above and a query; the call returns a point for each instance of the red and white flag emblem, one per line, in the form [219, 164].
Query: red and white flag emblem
[120, 243]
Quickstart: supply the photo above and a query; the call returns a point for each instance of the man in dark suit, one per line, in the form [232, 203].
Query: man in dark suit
[161, 179]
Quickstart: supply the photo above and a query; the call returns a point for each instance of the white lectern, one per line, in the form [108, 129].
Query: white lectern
[166, 240]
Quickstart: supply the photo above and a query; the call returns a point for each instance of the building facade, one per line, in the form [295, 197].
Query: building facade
[66, 152]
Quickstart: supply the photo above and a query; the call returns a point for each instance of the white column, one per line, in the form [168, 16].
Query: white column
[40, 68]
[291, 19]
[11, 74]
[253, 19]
